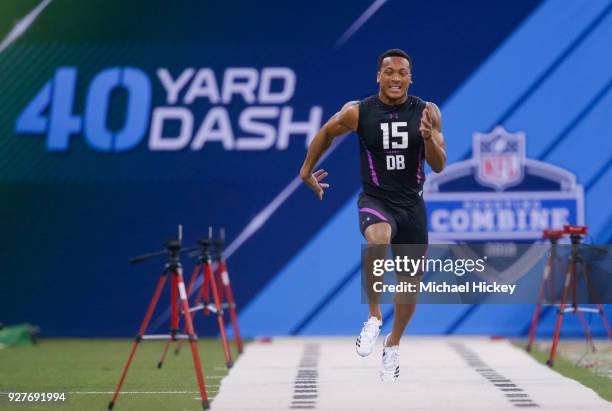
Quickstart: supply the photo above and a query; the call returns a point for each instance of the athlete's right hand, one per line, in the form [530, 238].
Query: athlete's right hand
[313, 181]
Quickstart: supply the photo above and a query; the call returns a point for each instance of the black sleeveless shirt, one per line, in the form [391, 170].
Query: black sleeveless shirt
[392, 149]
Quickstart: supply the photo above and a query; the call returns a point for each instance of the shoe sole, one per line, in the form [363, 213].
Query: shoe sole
[363, 354]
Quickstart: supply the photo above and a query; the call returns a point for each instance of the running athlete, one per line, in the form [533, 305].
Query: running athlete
[397, 132]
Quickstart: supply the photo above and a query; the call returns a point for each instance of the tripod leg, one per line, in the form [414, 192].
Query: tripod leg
[225, 280]
[534, 325]
[194, 276]
[574, 287]
[179, 346]
[174, 328]
[598, 301]
[141, 331]
[586, 330]
[551, 281]
[192, 339]
[164, 352]
[198, 297]
[219, 274]
[205, 296]
[174, 306]
[536, 314]
[213, 285]
[605, 320]
[566, 286]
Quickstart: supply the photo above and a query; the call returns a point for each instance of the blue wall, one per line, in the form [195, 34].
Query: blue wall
[73, 217]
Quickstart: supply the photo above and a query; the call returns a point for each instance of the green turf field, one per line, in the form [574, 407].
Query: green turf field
[88, 369]
[602, 385]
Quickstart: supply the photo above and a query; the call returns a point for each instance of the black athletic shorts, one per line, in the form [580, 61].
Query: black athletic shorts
[408, 223]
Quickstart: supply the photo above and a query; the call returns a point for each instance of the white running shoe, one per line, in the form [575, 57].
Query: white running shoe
[390, 363]
[367, 337]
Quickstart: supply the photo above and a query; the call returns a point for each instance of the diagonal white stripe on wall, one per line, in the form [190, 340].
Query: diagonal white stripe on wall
[23, 25]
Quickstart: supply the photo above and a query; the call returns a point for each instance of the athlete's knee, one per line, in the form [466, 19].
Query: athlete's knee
[378, 233]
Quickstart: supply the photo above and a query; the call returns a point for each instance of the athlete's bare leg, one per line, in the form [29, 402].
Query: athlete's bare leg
[403, 314]
[405, 303]
[376, 234]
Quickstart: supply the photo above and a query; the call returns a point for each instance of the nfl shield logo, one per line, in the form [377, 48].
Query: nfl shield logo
[500, 156]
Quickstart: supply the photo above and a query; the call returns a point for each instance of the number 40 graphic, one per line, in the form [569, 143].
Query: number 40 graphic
[51, 110]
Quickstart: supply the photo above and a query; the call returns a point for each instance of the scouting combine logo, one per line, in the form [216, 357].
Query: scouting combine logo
[501, 195]
[498, 198]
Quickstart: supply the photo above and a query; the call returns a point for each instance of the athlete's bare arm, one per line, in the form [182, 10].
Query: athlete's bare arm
[431, 130]
[344, 121]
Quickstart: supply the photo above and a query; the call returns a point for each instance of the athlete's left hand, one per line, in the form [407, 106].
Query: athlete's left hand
[426, 126]
[313, 181]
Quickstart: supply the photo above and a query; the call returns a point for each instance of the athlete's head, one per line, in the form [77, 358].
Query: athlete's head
[394, 74]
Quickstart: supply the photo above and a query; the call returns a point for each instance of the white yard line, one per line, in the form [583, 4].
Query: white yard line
[436, 374]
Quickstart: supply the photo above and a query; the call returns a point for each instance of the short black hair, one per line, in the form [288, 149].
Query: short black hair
[394, 53]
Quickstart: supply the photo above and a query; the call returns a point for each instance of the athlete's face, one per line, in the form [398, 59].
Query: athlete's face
[394, 77]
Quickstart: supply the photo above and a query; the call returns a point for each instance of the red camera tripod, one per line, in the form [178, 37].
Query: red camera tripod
[177, 289]
[576, 261]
